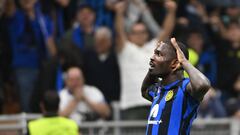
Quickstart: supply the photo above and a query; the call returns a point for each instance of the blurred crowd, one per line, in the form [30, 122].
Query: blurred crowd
[95, 52]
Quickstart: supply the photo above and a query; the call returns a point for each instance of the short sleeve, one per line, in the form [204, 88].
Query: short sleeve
[94, 94]
[64, 99]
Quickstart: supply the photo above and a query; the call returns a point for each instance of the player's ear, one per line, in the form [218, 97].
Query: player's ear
[175, 65]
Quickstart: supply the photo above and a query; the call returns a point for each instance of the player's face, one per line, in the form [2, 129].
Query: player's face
[160, 62]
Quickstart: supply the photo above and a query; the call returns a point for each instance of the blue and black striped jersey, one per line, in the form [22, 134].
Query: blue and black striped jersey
[173, 109]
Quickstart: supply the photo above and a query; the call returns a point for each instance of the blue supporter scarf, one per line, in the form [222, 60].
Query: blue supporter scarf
[59, 79]
[77, 37]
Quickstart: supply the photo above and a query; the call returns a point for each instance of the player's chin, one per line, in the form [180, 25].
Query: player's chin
[151, 71]
[154, 72]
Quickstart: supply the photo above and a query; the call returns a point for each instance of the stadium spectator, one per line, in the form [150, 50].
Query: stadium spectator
[138, 10]
[206, 58]
[82, 34]
[227, 43]
[52, 71]
[81, 102]
[55, 9]
[51, 123]
[8, 97]
[103, 9]
[101, 66]
[31, 41]
[232, 13]
[134, 51]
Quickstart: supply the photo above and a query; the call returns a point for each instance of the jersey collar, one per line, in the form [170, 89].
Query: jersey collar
[171, 85]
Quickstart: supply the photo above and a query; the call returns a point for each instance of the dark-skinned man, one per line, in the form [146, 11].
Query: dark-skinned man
[175, 99]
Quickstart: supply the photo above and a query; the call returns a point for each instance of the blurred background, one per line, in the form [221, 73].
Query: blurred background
[95, 53]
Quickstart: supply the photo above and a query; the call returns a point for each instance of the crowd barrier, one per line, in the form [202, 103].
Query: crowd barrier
[16, 125]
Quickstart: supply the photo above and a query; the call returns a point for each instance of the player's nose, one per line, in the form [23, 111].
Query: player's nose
[152, 58]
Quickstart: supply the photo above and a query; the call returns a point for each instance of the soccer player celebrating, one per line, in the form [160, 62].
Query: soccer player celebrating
[175, 99]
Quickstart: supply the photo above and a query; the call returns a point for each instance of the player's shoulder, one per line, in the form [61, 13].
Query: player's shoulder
[186, 88]
[185, 83]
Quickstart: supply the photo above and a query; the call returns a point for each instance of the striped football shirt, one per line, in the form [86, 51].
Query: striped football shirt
[173, 109]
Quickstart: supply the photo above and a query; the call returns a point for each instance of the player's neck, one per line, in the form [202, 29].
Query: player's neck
[171, 78]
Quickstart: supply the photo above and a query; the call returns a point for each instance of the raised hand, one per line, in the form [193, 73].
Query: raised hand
[199, 83]
[180, 55]
[120, 7]
[170, 5]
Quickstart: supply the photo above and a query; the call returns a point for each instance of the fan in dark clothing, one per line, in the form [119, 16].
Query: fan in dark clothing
[101, 66]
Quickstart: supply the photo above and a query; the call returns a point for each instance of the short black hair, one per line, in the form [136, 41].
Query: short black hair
[83, 5]
[182, 46]
[51, 101]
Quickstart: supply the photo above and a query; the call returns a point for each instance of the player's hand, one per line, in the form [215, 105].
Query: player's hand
[170, 5]
[180, 55]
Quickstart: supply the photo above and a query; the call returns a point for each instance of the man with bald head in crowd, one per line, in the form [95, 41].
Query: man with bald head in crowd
[81, 102]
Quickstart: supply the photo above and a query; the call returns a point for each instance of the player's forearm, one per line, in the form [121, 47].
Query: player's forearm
[199, 82]
[147, 82]
[66, 112]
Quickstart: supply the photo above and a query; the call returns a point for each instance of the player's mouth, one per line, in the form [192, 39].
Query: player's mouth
[151, 65]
